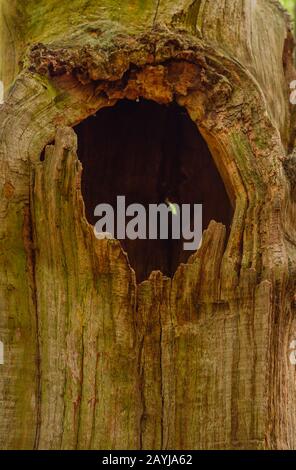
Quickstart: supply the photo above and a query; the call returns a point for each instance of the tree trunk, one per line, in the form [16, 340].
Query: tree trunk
[196, 356]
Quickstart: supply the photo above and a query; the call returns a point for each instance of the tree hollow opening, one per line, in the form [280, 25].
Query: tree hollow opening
[151, 154]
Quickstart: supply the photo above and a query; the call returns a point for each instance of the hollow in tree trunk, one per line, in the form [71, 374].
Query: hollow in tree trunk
[136, 344]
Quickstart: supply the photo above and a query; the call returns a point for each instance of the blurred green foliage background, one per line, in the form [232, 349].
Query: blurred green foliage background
[290, 5]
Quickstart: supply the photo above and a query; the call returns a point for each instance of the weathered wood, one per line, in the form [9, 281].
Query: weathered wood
[93, 360]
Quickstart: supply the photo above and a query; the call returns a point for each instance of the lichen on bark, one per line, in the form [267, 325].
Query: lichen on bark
[94, 360]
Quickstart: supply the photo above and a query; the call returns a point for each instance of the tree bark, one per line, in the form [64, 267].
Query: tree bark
[93, 359]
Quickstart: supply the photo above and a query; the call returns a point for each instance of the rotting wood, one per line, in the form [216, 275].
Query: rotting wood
[93, 360]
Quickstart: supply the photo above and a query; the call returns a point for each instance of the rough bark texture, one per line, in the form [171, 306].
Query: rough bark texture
[94, 360]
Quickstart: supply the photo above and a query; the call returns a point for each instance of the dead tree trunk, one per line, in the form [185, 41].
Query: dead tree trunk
[195, 356]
